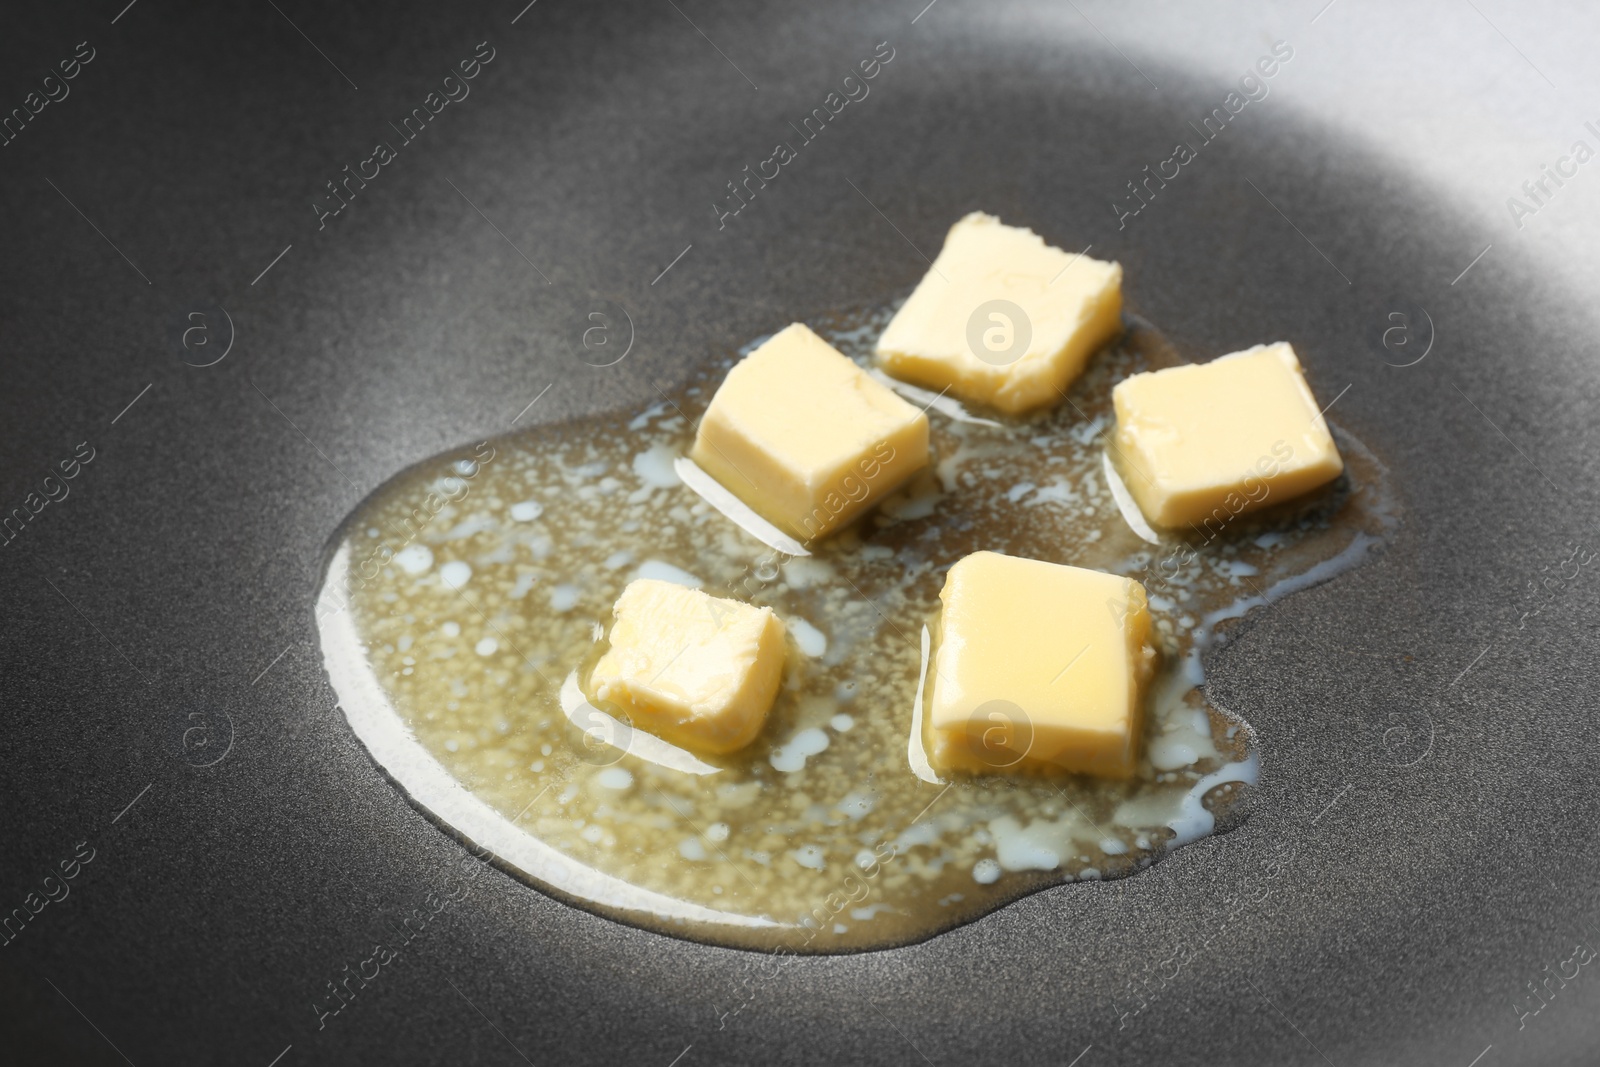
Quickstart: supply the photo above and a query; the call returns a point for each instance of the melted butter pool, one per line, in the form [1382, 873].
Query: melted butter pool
[470, 595]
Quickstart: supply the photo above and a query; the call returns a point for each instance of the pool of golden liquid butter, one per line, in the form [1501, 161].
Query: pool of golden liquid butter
[468, 597]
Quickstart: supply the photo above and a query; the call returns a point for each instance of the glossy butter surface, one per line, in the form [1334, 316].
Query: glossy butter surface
[1206, 442]
[1039, 667]
[698, 670]
[805, 437]
[1003, 319]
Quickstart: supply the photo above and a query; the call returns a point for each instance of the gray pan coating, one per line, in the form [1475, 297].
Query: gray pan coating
[1422, 845]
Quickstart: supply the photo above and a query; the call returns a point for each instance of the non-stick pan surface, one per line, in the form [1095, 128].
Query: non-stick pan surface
[179, 301]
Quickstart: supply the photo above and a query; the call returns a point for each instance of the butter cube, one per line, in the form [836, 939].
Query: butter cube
[1039, 667]
[807, 438]
[695, 669]
[1204, 443]
[1002, 318]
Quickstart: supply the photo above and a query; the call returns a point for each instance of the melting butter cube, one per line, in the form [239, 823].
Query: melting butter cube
[1039, 667]
[697, 670]
[1002, 318]
[1204, 443]
[806, 438]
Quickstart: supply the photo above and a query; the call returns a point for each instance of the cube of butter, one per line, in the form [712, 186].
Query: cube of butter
[1002, 318]
[695, 669]
[1039, 667]
[1204, 443]
[807, 438]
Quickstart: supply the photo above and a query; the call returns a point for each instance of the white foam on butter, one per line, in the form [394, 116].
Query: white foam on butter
[1039, 846]
[1180, 733]
[918, 499]
[662, 571]
[812, 641]
[1125, 502]
[1193, 821]
[916, 755]
[790, 757]
[1184, 741]
[735, 510]
[414, 559]
[654, 466]
[805, 573]
[928, 400]
[617, 734]
[455, 574]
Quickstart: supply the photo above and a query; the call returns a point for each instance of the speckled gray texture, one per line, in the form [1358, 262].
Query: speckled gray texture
[1454, 864]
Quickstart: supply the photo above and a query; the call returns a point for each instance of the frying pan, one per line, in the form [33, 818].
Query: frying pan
[1416, 874]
